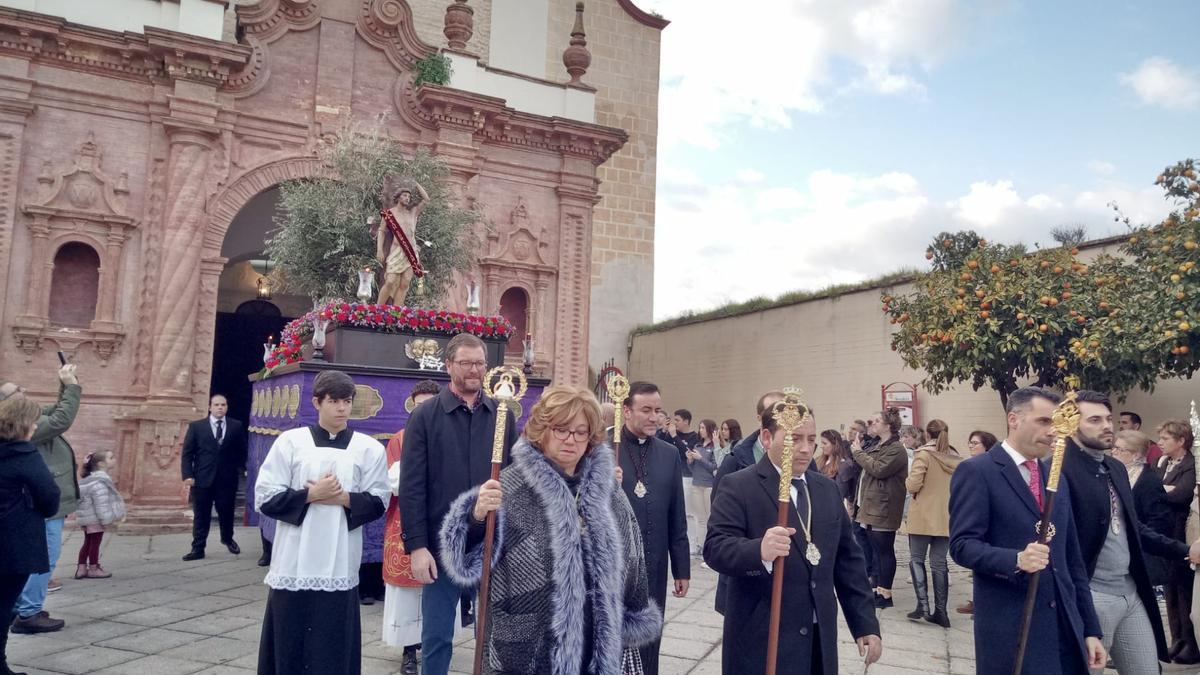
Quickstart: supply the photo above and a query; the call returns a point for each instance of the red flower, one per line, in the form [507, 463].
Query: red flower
[342, 316]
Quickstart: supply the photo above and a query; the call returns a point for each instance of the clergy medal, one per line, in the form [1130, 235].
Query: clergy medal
[812, 554]
[640, 490]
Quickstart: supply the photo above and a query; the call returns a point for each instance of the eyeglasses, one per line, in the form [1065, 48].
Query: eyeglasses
[562, 434]
[471, 365]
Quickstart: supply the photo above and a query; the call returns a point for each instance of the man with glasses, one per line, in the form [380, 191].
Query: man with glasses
[447, 451]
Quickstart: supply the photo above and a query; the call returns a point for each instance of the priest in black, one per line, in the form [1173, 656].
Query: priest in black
[652, 477]
[824, 565]
[214, 456]
[322, 483]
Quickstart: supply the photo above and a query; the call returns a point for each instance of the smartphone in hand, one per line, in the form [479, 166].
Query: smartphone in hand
[62, 358]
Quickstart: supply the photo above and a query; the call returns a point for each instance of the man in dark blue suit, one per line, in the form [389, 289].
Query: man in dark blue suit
[744, 540]
[996, 502]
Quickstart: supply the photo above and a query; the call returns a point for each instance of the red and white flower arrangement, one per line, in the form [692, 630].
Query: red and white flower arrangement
[385, 319]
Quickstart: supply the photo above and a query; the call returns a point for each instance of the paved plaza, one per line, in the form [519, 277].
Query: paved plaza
[161, 616]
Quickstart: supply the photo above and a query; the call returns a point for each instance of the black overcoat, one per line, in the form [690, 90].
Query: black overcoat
[745, 509]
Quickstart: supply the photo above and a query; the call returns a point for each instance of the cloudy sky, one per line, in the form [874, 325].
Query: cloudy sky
[810, 142]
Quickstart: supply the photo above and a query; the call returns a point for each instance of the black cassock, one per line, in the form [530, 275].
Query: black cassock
[314, 631]
[660, 515]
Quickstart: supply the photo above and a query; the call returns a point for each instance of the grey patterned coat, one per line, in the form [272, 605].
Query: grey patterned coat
[538, 580]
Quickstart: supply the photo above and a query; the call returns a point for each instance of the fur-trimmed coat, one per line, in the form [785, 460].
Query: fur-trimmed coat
[543, 564]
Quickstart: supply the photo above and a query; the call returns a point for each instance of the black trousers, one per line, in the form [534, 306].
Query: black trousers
[11, 586]
[1178, 594]
[220, 494]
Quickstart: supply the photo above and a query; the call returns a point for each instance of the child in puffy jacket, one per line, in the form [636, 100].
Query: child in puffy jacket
[100, 505]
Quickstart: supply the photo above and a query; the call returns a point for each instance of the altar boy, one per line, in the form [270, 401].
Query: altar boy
[322, 483]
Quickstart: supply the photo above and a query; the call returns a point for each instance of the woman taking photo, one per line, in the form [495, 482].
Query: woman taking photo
[881, 495]
[568, 588]
[835, 463]
[704, 466]
[730, 434]
[929, 521]
[28, 496]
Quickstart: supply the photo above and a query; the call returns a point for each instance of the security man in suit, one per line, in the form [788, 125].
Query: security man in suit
[824, 565]
[214, 455]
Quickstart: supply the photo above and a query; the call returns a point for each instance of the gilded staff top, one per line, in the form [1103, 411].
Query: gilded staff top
[789, 413]
[505, 384]
[1066, 422]
[618, 388]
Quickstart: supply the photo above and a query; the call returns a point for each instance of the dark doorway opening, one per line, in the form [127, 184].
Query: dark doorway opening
[238, 345]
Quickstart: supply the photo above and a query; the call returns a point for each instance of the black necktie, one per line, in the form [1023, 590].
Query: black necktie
[220, 431]
[801, 503]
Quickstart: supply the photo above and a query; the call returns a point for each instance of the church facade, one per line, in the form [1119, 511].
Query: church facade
[139, 144]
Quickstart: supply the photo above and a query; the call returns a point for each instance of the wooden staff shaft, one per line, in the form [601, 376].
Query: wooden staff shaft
[489, 537]
[776, 598]
[1031, 592]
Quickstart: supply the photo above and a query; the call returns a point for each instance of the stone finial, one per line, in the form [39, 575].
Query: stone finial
[576, 57]
[460, 24]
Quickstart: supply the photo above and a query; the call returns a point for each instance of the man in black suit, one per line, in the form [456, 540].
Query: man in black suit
[214, 455]
[1112, 539]
[652, 477]
[744, 540]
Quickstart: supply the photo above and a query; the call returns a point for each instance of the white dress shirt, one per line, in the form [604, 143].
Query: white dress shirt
[212, 425]
[1019, 459]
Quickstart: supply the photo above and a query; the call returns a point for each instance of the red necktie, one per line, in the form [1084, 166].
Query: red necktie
[1035, 481]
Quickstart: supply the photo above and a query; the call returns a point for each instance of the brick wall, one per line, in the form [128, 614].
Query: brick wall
[625, 73]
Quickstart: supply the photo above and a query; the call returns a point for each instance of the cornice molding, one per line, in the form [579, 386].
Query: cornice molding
[642, 16]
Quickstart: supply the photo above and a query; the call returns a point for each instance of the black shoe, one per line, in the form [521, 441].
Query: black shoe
[916, 615]
[264, 561]
[233, 547]
[38, 623]
[194, 554]
[882, 602]
[939, 617]
[408, 664]
[1188, 655]
[366, 600]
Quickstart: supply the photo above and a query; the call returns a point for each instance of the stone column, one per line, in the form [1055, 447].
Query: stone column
[110, 275]
[174, 336]
[41, 266]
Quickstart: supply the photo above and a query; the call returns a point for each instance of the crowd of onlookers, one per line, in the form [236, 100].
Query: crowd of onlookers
[895, 479]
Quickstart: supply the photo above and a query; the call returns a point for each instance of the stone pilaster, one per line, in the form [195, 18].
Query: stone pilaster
[574, 284]
[14, 112]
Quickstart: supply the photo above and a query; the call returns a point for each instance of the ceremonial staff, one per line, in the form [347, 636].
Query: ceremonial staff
[505, 384]
[789, 413]
[1066, 422]
[618, 391]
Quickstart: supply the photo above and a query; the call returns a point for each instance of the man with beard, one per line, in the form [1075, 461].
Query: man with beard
[1112, 538]
[652, 477]
[447, 451]
[996, 502]
[824, 566]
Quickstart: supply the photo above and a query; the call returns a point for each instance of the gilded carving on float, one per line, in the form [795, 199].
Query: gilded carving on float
[266, 402]
[293, 405]
[367, 402]
[278, 401]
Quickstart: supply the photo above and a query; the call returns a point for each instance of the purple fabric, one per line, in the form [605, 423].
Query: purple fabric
[393, 388]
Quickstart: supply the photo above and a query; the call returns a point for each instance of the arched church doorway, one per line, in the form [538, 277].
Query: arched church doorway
[248, 309]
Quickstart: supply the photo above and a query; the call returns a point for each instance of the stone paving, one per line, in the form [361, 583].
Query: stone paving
[161, 616]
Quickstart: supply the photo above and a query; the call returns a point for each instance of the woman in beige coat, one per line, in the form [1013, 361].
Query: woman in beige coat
[929, 521]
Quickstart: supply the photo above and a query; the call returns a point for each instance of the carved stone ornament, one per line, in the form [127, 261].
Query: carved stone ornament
[460, 24]
[75, 202]
[576, 57]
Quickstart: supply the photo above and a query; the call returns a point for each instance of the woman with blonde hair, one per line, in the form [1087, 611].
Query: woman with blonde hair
[929, 521]
[568, 591]
[28, 496]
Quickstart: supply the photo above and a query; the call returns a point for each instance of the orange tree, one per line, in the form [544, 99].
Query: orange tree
[1164, 290]
[999, 316]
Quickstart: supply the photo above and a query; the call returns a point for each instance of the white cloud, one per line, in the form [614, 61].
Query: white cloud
[1101, 168]
[751, 240]
[750, 176]
[985, 203]
[777, 59]
[1158, 81]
